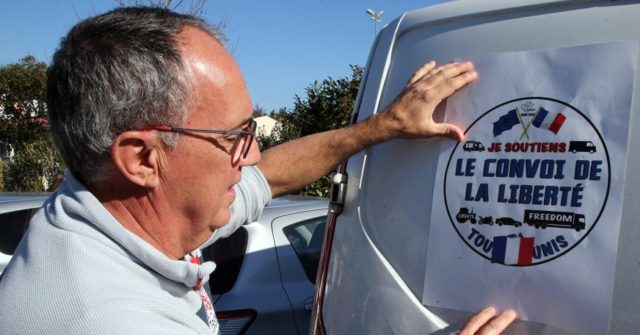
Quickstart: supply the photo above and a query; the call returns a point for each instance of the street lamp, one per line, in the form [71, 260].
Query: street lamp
[375, 17]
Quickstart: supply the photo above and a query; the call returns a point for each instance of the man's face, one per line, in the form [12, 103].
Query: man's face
[200, 174]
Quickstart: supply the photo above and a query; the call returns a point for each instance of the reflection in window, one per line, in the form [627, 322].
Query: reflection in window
[306, 239]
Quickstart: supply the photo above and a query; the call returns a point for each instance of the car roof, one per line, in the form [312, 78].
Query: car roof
[290, 204]
[298, 201]
[10, 202]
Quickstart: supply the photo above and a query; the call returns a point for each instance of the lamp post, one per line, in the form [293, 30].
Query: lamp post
[375, 17]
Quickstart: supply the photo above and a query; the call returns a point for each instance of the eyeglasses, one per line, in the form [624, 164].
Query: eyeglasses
[241, 143]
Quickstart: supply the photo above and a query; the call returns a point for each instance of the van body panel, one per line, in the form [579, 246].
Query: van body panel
[377, 266]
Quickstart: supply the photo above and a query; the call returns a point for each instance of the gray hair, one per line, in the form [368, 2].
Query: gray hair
[113, 73]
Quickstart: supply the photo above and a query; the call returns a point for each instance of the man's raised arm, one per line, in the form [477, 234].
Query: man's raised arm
[290, 166]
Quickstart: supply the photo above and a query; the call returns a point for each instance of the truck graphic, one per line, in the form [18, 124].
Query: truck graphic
[464, 214]
[473, 146]
[582, 146]
[544, 219]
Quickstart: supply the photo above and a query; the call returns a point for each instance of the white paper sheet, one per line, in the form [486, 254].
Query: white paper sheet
[526, 209]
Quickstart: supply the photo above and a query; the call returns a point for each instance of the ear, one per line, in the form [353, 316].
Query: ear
[136, 155]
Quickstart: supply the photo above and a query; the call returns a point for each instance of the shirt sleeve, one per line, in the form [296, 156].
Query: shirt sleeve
[252, 195]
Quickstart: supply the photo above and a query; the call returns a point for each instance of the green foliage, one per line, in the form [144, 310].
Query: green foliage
[319, 188]
[280, 114]
[258, 111]
[22, 87]
[24, 127]
[327, 105]
[34, 168]
[22, 107]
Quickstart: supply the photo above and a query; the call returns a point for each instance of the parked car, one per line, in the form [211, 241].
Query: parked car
[15, 211]
[265, 275]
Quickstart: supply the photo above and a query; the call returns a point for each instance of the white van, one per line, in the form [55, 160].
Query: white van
[391, 248]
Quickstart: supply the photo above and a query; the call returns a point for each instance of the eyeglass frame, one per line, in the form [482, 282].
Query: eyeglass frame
[250, 134]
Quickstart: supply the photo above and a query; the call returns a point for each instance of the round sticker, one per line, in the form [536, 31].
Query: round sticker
[528, 183]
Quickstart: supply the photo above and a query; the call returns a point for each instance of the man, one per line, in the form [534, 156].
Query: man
[153, 119]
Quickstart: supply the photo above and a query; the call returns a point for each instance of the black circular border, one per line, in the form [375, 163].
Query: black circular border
[599, 214]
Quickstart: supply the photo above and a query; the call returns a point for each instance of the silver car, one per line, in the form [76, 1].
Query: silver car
[15, 211]
[265, 279]
[265, 275]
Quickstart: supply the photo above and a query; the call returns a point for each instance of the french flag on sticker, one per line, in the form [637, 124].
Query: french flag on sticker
[548, 120]
[512, 250]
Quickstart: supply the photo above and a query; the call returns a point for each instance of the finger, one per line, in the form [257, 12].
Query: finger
[448, 130]
[441, 68]
[450, 85]
[447, 73]
[457, 68]
[422, 70]
[499, 324]
[478, 321]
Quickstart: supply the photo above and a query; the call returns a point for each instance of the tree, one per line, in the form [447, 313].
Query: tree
[22, 107]
[24, 129]
[327, 105]
[280, 114]
[258, 111]
[34, 168]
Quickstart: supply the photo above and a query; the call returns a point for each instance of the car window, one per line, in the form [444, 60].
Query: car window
[306, 238]
[12, 227]
[228, 254]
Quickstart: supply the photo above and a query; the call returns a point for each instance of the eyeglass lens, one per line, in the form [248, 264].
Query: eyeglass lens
[248, 140]
[244, 142]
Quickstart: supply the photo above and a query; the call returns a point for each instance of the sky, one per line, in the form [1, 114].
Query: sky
[281, 46]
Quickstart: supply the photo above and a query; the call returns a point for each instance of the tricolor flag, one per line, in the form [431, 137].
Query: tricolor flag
[548, 120]
[512, 250]
[505, 122]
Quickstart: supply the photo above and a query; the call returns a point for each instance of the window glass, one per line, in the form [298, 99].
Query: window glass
[12, 227]
[228, 254]
[306, 239]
